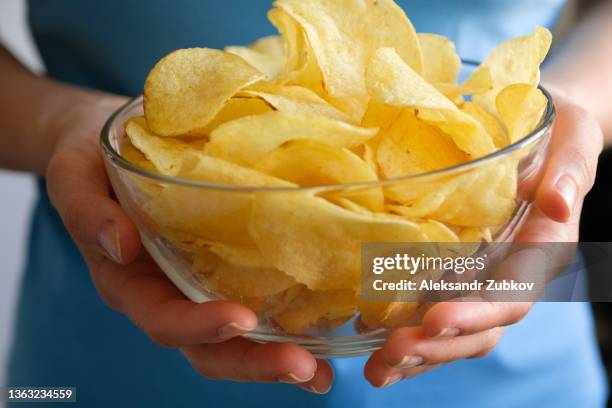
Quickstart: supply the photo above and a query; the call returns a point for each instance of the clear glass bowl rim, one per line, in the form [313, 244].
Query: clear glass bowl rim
[116, 158]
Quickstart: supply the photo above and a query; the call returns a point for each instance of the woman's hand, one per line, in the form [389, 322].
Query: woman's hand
[454, 331]
[131, 283]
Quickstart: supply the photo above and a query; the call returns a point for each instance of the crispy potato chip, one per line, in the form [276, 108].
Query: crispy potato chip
[238, 282]
[134, 156]
[317, 308]
[440, 60]
[267, 55]
[310, 226]
[236, 108]
[521, 108]
[166, 154]
[394, 83]
[300, 100]
[473, 234]
[209, 214]
[476, 198]
[301, 67]
[311, 163]
[475, 85]
[412, 146]
[491, 124]
[389, 315]
[238, 255]
[514, 61]
[249, 139]
[335, 30]
[187, 88]
[438, 232]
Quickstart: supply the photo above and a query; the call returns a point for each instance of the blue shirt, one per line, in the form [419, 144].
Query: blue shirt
[65, 335]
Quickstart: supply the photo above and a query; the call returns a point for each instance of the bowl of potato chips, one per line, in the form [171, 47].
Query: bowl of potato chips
[255, 173]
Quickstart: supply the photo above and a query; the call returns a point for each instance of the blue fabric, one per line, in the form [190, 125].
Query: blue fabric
[66, 336]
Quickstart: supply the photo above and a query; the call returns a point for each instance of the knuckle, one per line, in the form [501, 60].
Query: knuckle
[586, 165]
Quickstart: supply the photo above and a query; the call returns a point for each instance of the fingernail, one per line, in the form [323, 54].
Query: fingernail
[294, 379]
[231, 330]
[312, 389]
[391, 380]
[410, 362]
[448, 332]
[566, 187]
[109, 241]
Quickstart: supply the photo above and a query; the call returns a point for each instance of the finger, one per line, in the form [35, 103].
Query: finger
[79, 189]
[570, 172]
[153, 303]
[323, 379]
[454, 318]
[243, 360]
[408, 348]
[381, 375]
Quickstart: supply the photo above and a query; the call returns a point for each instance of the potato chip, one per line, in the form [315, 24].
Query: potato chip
[491, 124]
[438, 232]
[478, 235]
[521, 108]
[440, 60]
[187, 88]
[394, 83]
[246, 256]
[311, 163]
[300, 100]
[316, 308]
[166, 154]
[301, 68]
[238, 282]
[514, 61]
[343, 48]
[477, 198]
[412, 146]
[249, 139]
[134, 156]
[267, 55]
[209, 214]
[389, 315]
[236, 108]
[310, 226]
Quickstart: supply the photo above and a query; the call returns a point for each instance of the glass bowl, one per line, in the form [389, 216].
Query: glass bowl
[192, 228]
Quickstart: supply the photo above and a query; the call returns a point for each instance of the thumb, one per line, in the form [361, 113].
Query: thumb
[80, 191]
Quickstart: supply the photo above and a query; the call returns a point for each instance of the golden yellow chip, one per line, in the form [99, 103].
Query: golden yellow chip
[134, 156]
[492, 125]
[187, 88]
[317, 308]
[301, 67]
[250, 139]
[267, 55]
[475, 198]
[310, 226]
[311, 163]
[515, 61]
[389, 315]
[412, 146]
[236, 108]
[393, 82]
[343, 48]
[299, 100]
[521, 108]
[440, 60]
[166, 154]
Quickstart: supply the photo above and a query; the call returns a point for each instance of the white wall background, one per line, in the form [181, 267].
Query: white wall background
[16, 190]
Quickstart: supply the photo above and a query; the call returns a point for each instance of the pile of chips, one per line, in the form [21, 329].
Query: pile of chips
[348, 92]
